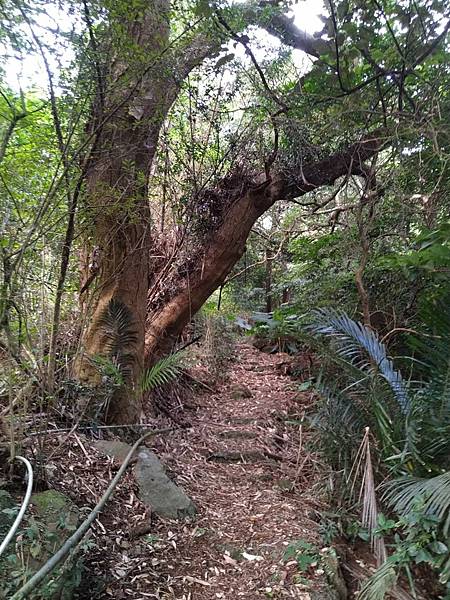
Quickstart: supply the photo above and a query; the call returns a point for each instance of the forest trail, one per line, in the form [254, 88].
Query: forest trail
[244, 472]
[247, 465]
[252, 480]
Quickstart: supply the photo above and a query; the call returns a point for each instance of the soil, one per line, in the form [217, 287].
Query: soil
[257, 487]
[242, 451]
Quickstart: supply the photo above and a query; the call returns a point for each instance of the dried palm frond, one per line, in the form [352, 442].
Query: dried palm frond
[367, 495]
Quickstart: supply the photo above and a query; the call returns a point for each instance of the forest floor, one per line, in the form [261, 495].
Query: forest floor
[257, 486]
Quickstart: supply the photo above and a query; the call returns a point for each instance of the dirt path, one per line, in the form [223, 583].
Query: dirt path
[246, 471]
[255, 485]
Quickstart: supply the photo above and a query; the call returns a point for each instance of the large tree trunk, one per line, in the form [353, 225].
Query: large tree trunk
[184, 296]
[129, 114]
[132, 106]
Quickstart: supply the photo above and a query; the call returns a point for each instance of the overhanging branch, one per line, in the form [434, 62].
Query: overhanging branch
[283, 27]
[349, 161]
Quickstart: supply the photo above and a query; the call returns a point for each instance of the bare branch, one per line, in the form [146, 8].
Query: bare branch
[283, 27]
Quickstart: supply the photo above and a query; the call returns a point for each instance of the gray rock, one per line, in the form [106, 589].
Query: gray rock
[155, 488]
[158, 491]
[330, 561]
[332, 585]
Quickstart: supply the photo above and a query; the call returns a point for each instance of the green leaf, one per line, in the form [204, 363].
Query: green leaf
[35, 549]
[438, 547]
[305, 560]
[202, 8]
[423, 556]
[11, 512]
[163, 372]
[306, 385]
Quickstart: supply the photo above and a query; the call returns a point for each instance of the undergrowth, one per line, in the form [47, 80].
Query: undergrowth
[405, 423]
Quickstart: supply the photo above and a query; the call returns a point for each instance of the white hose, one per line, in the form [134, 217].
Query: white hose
[24, 506]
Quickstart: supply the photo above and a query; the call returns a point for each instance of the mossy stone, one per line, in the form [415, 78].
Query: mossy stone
[49, 520]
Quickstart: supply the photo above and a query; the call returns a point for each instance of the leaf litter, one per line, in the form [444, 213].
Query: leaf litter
[250, 508]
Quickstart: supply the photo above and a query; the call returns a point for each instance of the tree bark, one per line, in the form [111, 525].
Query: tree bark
[183, 297]
[129, 113]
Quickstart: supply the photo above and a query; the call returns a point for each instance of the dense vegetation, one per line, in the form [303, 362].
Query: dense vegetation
[172, 158]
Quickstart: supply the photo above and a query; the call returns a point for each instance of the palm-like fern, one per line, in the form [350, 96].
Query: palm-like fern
[164, 371]
[420, 442]
[403, 493]
[353, 339]
[339, 421]
[424, 432]
[116, 325]
[381, 583]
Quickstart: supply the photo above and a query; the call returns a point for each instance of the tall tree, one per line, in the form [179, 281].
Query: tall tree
[149, 64]
[142, 56]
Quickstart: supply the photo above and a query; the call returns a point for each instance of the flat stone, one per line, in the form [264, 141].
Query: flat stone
[158, 491]
[114, 448]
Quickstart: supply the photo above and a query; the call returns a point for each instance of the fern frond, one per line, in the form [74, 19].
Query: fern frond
[403, 493]
[117, 325]
[427, 429]
[354, 337]
[164, 371]
[108, 368]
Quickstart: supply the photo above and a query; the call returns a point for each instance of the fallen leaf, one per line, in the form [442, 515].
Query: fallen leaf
[228, 560]
[195, 580]
[251, 556]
